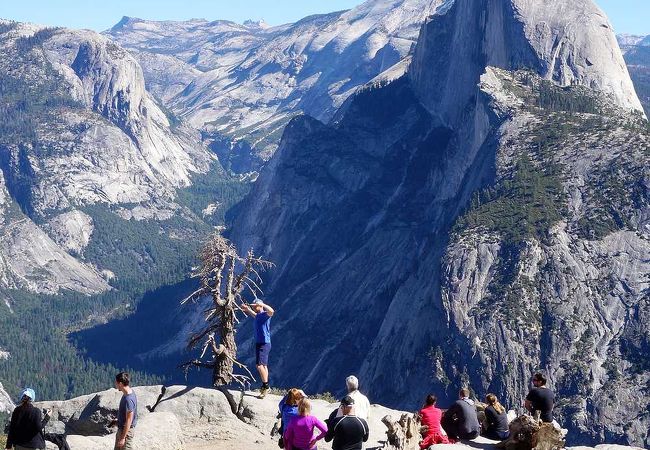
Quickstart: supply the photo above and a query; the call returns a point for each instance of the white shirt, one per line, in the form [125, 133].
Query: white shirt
[361, 405]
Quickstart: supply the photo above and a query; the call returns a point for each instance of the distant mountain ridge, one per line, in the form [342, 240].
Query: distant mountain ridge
[246, 82]
[636, 50]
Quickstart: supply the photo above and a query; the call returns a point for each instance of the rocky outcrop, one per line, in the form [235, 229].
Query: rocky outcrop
[6, 403]
[186, 418]
[246, 82]
[366, 220]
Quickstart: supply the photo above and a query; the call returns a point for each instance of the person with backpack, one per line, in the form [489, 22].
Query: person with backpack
[495, 425]
[27, 423]
[299, 434]
[348, 431]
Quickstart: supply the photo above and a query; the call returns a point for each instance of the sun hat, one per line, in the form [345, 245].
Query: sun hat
[28, 392]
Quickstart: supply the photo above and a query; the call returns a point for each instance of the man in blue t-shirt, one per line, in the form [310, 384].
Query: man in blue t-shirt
[127, 413]
[262, 314]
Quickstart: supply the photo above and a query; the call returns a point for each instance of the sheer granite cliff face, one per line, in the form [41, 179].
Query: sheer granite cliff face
[385, 268]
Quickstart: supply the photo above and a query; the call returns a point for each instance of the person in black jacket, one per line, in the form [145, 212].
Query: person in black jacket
[26, 426]
[496, 420]
[348, 431]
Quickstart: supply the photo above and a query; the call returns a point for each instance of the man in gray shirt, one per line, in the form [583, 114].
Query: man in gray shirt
[127, 414]
[460, 421]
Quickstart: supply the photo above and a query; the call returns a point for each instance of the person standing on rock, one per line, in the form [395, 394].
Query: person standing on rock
[262, 314]
[299, 434]
[26, 425]
[349, 432]
[361, 403]
[127, 413]
[460, 421]
[540, 398]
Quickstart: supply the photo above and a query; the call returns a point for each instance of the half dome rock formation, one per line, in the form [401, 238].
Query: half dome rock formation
[566, 42]
[480, 218]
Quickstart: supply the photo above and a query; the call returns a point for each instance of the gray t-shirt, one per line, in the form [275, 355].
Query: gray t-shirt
[129, 402]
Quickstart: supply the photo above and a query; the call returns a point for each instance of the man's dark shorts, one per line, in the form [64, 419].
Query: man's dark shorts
[262, 354]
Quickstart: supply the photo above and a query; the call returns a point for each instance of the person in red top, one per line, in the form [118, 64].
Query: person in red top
[430, 416]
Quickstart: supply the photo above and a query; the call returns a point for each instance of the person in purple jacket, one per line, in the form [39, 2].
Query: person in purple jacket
[299, 435]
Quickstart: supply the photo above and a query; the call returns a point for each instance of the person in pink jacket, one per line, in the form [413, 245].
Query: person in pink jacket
[299, 435]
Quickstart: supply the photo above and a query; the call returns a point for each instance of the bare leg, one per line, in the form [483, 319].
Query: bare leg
[264, 373]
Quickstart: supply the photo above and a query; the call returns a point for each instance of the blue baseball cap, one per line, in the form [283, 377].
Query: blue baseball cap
[28, 392]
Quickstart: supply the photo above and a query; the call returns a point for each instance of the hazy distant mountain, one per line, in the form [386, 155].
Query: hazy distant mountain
[247, 81]
[636, 50]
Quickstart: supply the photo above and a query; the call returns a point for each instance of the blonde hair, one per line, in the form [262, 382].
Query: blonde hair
[491, 400]
[304, 407]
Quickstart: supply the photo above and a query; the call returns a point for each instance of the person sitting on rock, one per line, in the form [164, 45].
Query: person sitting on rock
[361, 403]
[460, 421]
[26, 425]
[348, 431]
[540, 399]
[299, 434]
[496, 420]
[430, 418]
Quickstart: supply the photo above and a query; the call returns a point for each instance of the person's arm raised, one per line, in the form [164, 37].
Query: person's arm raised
[270, 311]
[247, 310]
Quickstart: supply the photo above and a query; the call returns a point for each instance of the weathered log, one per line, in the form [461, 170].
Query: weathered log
[402, 434]
[528, 433]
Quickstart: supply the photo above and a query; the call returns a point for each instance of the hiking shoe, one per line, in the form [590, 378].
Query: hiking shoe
[263, 391]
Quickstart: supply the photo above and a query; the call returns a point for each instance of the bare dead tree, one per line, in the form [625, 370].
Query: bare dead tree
[226, 277]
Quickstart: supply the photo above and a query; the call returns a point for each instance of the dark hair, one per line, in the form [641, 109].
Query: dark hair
[540, 378]
[431, 400]
[464, 392]
[122, 377]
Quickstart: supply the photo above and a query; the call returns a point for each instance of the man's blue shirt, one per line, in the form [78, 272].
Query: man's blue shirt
[262, 328]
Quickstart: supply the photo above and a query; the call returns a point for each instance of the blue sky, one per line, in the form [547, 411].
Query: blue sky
[628, 16]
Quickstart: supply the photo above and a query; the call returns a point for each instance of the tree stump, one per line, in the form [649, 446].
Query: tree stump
[527, 433]
[402, 434]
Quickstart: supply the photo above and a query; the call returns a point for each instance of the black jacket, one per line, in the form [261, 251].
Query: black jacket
[348, 432]
[26, 426]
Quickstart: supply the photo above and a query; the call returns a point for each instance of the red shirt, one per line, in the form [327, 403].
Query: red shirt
[431, 418]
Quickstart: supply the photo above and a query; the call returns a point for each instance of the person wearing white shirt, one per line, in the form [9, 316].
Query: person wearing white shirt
[361, 403]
